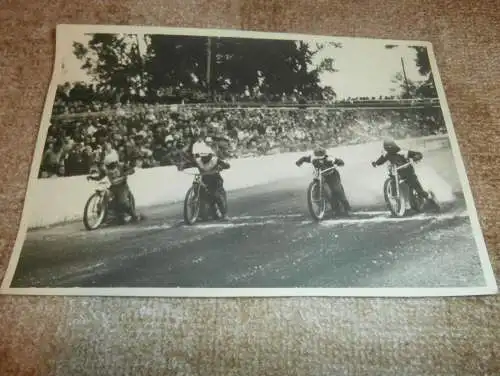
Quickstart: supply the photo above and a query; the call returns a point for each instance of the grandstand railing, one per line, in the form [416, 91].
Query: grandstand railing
[340, 104]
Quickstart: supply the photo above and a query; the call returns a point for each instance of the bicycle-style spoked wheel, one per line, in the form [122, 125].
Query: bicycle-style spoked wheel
[95, 211]
[417, 203]
[191, 206]
[395, 202]
[220, 209]
[316, 201]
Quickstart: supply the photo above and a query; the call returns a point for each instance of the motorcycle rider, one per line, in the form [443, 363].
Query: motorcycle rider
[116, 173]
[332, 178]
[398, 157]
[204, 158]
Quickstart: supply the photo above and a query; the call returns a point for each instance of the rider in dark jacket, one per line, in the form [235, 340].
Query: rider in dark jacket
[209, 165]
[398, 157]
[321, 160]
[116, 173]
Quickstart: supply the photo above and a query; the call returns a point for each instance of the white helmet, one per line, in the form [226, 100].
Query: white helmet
[201, 148]
[111, 157]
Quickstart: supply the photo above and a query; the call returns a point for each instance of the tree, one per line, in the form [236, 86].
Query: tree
[425, 88]
[62, 92]
[273, 67]
[329, 94]
[428, 88]
[176, 62]
[191, 65]
[114, 63]
[81, 92]
[405, 88]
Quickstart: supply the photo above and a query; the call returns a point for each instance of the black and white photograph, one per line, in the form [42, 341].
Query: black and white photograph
[200, 162]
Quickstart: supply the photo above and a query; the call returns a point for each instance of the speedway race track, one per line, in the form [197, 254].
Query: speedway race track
[269, 240]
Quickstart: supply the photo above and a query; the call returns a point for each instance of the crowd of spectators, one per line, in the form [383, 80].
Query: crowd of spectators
[156, 135]
[62, 106]
[84, 98]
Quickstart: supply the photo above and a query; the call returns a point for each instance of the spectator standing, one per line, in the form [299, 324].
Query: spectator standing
[52, 158]
[76, 163]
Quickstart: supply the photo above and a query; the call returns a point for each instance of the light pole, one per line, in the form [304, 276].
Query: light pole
[209, 65]
[405, 78]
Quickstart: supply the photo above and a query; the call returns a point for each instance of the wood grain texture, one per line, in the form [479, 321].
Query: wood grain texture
[122, 336]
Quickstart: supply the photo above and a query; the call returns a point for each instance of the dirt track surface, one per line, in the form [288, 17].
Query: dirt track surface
[269, 240]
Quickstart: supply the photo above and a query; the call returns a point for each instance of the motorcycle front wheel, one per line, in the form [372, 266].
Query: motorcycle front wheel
[191, 206]
[395, 203]
[316, 201]
[95, 204]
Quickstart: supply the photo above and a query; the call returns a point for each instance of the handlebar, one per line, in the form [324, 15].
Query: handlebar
[102, 184]
[325, 170]
[191, 173]
[199, 173]
[404, 165]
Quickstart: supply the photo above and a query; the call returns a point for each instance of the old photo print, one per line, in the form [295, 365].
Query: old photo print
[190, 162]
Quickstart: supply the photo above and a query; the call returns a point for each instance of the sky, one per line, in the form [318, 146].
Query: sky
[365, 68]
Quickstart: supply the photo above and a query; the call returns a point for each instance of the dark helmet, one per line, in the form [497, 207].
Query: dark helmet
[206, 158]
[319, 152]
[391, 146]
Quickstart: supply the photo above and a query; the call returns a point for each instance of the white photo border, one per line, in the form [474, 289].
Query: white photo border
[66, 31]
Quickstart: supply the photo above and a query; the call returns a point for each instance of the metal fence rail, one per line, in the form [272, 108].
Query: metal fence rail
[362, 104]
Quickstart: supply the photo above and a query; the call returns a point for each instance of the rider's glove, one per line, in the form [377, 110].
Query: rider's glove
[374, 164]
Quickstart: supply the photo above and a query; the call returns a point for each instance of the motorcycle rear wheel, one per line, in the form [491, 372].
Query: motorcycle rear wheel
[435, 207]
[131, 201]
[220, 212]
[417, 203]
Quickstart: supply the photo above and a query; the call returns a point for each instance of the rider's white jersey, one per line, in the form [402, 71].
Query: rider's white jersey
[209, 167]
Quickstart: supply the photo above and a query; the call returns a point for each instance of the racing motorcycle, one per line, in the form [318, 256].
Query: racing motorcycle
[100, 208]
[197, 205]
[401, 199]
[318, 193]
